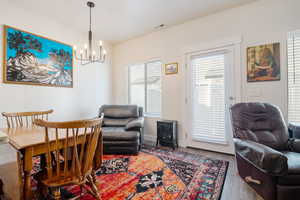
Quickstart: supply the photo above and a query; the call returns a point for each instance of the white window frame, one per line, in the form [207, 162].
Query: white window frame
[290, 34]
[144, 64]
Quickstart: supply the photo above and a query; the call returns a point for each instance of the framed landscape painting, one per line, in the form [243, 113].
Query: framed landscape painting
[35, 60]
[263, 63]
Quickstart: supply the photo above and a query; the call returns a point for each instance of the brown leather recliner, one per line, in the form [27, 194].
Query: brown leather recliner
[267, 159]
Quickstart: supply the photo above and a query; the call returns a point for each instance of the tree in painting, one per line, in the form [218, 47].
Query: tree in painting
[22, 43]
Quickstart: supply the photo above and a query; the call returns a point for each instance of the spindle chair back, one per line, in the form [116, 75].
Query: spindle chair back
[63, 166]
[25, 119]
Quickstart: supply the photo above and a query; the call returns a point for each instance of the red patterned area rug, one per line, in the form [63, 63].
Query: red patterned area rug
[156, 174]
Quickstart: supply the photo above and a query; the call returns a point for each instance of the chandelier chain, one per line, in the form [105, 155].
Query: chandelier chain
[90, 18]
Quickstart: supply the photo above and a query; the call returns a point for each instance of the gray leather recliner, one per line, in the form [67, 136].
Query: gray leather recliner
[122, 129]
[267, 159]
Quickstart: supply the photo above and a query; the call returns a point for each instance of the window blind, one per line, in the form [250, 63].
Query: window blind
[208, 101]
[144, 86]
[293, 47]
[137, 85]
[153, 87]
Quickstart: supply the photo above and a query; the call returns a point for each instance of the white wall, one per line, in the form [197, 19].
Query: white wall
[92, 83]
[263, 21]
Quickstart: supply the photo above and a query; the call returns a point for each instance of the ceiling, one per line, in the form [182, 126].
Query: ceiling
[119, 20]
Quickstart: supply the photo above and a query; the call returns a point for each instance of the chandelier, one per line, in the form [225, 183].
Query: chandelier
[89, 55]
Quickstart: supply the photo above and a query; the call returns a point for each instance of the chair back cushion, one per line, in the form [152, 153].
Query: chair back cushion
[120, 115]
[260, 122]
[113, 122]
[119, 111]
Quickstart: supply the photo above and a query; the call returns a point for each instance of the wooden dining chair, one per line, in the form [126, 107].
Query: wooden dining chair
[24, 119]
[76, 142]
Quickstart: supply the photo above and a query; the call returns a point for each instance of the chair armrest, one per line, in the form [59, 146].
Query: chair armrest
[136, 123]
[294, 130]
[262, 156]
[294, 145]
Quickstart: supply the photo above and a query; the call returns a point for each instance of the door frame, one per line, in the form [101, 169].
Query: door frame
[235, 47]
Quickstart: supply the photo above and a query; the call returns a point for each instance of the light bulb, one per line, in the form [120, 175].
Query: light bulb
[85, 46]
[81, 51]
[104, 52]
[100, 43]
[94, 53]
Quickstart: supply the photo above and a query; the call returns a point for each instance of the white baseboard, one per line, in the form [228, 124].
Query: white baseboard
[150, 138]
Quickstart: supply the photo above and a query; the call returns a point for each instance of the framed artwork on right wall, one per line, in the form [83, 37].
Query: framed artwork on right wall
[263, 63]
[171, 68]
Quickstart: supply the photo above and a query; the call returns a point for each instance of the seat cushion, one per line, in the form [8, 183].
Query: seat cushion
[116, 122]
[290, 179]
[120, 149]
[119, 134]
[293, 176]
[55, 181]
[293, 162]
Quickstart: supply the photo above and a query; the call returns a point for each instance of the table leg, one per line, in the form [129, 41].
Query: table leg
[101, 150]
[1, 187]
[20, 174]
[43, 161]
[27, 173]
[97, 158]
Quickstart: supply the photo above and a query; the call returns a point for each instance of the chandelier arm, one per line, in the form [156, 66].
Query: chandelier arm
[80, 57]
[86, 63]
[101, 60]
[89, 62]
[96, 59]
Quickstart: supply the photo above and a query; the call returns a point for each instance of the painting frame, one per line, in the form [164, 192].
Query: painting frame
[171, 71]
[264, 62]
[5, 67]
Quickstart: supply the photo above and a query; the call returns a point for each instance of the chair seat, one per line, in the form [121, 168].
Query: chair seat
[290, 179]
[58, 181]
[293, 176]
[119, 134]
[293, 162]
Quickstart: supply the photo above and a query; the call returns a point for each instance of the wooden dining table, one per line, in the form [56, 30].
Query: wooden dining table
[30, 142]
